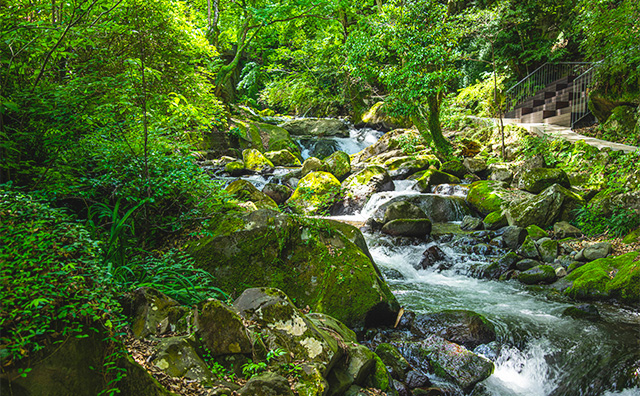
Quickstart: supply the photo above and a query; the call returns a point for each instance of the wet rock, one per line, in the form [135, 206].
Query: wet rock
[433, 177]
[406, 320]
[359, 187]
[526, 264]
[491, 350]
[538, 179]
[278, 192]
[500, 172]
[460, 326]
[221, 330]
[266, 384]
[315, 193]
[529, 249]
[402, 210]
[470, 223]
[439, 209]
[597, 250]
[235, 168]
[501, 266]
[338, 164]
[405, 167]
[282, 158]
[417, 228]
[454, 362]
[548, 249]
[244, 191]
[583, 311]
[514, 236]
[254, 160]
[476, 165]
[316, 127]
[395, 362]
[178, 357]
[554, 204]
[431, 256]
[495, 220]
[563, 230]
[561, 272]
[544, 274]
[401, 388]
[311, 164]
[354, 369]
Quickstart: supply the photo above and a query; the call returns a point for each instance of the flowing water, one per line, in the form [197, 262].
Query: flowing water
[539, 352]
[359, 138]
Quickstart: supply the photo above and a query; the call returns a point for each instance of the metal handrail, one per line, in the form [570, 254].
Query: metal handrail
[540, 78]
[580, 102]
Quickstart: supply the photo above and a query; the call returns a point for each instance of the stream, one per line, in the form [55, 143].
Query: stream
[538, 351]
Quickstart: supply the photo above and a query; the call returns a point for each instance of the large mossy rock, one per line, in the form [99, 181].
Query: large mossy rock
[221, 330]
[244, 191]
[489, 196]
[538, 179]
[621, 124]
[539, 274]
[316, 127]
[338, 164]
[433, 177]
[312, 261]
[151, 311]
[390, 141]
[415, 228]
[454, 168]
[403, 167]
[178, 357]
[266, 384]
[402, 210]
[556, 203]
[460, 326]
[282, 158]
[611, 277]
[264, 137]
[360, 186]
[255, 161]
[376, 117]
[315, 192]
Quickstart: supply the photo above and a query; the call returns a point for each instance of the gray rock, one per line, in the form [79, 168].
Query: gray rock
[155, 313]
[396, 363]
[418, 228]
[316, 127]
[430, 256]
[338, 164]
[563, 229]
[439, 209]
[402, 210]
[529, 249]
[278, 192]
[548, 249]
[526, 264]
[470, 223]
[553, 204]
[596, 251]
[514, 236]
[540, 274]
[178, 357]
[360, 186]
[538, 179]
[460, 326]
[222, 330]
[416, 379]
[501, 266]
[475, 165]
[454, 168]
[311, 164]
[500, 172]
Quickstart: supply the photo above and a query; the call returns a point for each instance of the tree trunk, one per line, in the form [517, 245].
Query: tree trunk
[442, 145]
[225, 73]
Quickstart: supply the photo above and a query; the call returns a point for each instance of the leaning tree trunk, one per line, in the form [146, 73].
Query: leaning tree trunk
[433, 121]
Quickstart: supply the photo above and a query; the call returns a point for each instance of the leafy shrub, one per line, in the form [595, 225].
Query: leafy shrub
[621, 222]
[50, 276]
[479, 97]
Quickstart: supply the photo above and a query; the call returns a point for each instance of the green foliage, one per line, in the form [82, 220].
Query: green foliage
[621, 222]
[479, 97]
[52, 284]
[251, 369]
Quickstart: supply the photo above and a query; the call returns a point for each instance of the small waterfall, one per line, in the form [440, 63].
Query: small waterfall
[324, 146]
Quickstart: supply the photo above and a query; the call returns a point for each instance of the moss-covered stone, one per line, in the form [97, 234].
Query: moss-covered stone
[461, 326]
[244, 191]
[529, 249]
[235, 168]
[611, 277]
[315, 193]
[316, 127]
[282, 158]
[495, 220]
[221, 329]
[254, 160]
[313, 262]
[553, 204]
[486, 196]
[538, 179]
[434, 177]
[153, 310]
[360, 186]
[311, 164]
[380, 379]
[377, 117]
[548, 249]
[338, 164]
[393, 359]
[536, 232]
[454, 168]
[178, 357]
[264, 137]
[539, 274]
[402, 210]
[632, 237]
[417, 228]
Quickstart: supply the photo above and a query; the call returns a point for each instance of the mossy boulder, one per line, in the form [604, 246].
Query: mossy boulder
[316, 127]
[563, 229]
[266, 384]
[235, 168]
[621, 124]
[264, 137]
[501, 266]
[556, 203]
[487, 196]
[402, 210]
[338, 164]
[529, 249]
[254, 160]
[434, 177]
[632, 237]
[178, 357]
[244, 191]
[221, 329]
[316, 192]
[538, 179]
[152, 312]
[282, 158]
[454, 168]
[611, 277]
[461, 326]
[311, 164]
[548, 249]
[536, 232]
[392, 140]
[278, 192]
[360, 186]
[476, 166]
[495, 220]
[397, 364]
[438, 208]
[544, 274]
[376, 117]
[417, 228]
[401, 168]
[311, 260]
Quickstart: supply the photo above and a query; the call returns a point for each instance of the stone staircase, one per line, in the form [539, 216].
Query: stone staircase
[555, 93]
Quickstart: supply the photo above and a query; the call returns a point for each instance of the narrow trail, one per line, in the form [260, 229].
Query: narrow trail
[562, 132]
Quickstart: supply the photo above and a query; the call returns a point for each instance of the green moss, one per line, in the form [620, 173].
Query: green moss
[434, 177]
[380, 378]
[484, 196]
[495, 220]
[254, 160]
[245, 191]
[611, 277]
[315, 192]
[536, 232]
[632, 237]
